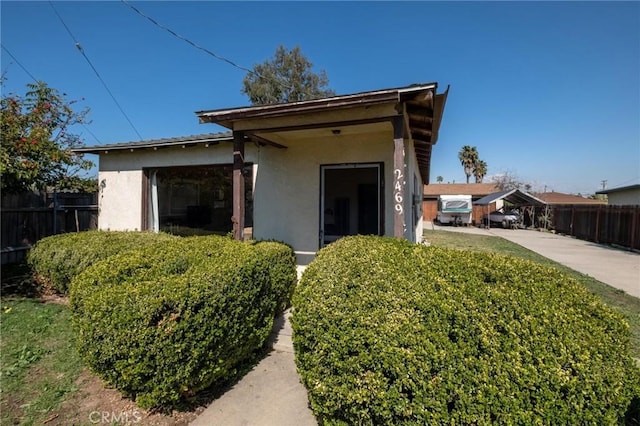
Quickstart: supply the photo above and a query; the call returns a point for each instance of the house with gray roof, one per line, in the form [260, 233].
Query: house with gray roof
[623, 196]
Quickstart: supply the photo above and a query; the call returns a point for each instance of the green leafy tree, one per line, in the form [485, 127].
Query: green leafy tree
[439, 179]
[288, 77]
[37, 141]
[480, 170]
[468, 157]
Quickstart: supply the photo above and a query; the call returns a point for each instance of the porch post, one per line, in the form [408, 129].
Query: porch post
[399, 179]
[238, 186]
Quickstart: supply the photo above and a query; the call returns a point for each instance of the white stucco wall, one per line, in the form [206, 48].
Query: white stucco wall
[120, 200]
[629, 197]
[287, 190]
[120, 178]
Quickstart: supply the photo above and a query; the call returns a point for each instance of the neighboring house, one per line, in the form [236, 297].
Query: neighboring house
[476, 190]
[623, 196]
[559, 198]
[304, 173]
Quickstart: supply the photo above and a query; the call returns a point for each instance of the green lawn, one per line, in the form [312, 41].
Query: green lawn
[39, 364]
[628, 305]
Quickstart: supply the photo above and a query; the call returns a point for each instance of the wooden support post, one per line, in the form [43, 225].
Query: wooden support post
[399, 179]
[238, 186]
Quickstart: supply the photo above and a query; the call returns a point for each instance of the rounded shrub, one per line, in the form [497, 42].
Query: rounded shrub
[387, 332]
[164, 322]
[59, 258]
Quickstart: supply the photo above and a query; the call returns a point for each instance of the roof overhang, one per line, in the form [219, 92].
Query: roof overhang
[619, 189]
[419, 105]
[185, 141]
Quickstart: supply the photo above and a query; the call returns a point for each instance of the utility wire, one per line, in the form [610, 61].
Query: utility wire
[36, 81]
[197, 46]
[79, 47]
[19, 64]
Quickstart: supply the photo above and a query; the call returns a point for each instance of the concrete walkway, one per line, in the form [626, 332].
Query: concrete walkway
[615, 267]
[270, 394]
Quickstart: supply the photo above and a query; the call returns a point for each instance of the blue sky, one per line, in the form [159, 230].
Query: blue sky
[547, 91]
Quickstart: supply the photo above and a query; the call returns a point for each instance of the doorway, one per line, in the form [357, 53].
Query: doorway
[350, 201]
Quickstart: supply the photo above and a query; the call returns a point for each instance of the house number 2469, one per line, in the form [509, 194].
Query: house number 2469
[397, 187]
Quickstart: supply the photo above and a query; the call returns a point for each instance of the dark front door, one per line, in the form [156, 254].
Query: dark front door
[350, 201]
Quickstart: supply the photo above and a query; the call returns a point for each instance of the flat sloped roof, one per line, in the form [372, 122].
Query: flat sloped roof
[210, 138]
[620, 189]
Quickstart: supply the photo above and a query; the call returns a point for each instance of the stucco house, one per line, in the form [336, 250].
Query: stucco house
[623, 196]
[305, 173]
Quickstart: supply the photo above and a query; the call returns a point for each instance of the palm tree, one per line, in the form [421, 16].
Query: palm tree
[439, 179]
[468, 156]
[480, 170]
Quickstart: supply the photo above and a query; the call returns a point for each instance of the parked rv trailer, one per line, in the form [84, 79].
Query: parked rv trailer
[455, 209]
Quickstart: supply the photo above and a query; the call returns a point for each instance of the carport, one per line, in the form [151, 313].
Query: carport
[520, 200]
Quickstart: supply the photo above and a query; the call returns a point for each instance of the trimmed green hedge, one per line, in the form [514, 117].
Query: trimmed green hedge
[164, 322]
[59, 258]
[387, 332]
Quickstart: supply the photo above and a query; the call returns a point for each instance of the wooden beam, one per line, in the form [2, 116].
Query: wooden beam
[420, 116]
[420, 134]
[264, 141]
[399, 178]
[424, 97]
[421, 144]
[320, 125]
[238, 186]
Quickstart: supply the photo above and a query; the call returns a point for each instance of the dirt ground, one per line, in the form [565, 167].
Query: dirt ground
[95, 403]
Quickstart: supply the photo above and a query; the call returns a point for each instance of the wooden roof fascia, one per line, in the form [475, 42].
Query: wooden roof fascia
[227, 117]
[209, 139]
[440, 102]
[106, 148]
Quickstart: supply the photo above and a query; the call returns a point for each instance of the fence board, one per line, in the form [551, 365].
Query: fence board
[26, 218]
[619, 225]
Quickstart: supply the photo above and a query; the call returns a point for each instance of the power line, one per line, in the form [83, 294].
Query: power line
[197, 46]
[79, 47]
[19, 64]
[36, 81]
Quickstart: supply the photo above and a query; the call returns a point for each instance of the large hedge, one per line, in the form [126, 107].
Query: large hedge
[386, 332]
[164, 322]
[58, 258]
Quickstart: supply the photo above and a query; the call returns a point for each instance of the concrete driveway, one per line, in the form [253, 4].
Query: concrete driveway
[615, 267]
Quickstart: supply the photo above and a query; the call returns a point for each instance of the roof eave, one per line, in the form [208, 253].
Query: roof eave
[156, 143]
[226, 117]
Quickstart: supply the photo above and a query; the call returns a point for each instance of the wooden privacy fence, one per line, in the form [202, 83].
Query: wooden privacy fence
[28, 217]
[618, 225]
